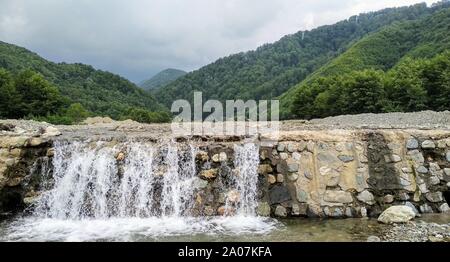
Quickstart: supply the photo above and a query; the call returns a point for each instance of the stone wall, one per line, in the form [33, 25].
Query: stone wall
[344, 173]
[309, 173]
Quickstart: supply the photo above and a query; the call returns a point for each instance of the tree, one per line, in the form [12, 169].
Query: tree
[76, 112]
[8, 95]
[436, 78]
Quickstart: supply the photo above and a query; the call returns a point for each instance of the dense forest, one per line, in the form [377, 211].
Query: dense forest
[273, 69]
[389, 48]
[162, 78]
[99, 93]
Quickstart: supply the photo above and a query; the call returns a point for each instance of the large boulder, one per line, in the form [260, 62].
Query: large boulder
[397, 214]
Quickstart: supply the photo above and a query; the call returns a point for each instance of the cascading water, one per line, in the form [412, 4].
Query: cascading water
[137, 191]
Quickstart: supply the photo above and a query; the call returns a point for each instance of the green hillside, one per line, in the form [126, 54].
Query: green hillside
[161, 79]
[422, 38]
[100, 92]
[272, 69]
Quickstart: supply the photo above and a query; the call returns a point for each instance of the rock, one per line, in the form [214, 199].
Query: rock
[265, 169]
[284, 156]
[51, 152]
[396, 214]
[281, 147]
[448, 185]
[447, 174]
[447, 156]
[428, 144]
[263, 209]
[13, 182]
[222, 157]
[233, 196]
[422, 170]
[301, 146]
[310, 146]
[425, 208]
[338, 197]
[423, 188]
[434, 180]
[373, 239]
[308, 175]
[271, 179]
[387, 199]
[120, 156]
[412, 143]
[442, 143]
[333, 212]
[292, 167]
[299, 209]
[366, 197]
[396, 158]
[264, 154]
[209, 174]
[416, 157]
[199, 183]
[434, 197]
[202, 156]
[225, 211]
[208, 211]
[291, 148]
[409, 204]
[346, 158]
[292, 177]
[28, 201]
[35, 141]
[51, 132]
[296, 156]
[280, 178]
[363, 211]
[407, 170]
[279, 194]
[280, 211]
[302, 195]
[97, 120]
[403, 196]
[444, 208]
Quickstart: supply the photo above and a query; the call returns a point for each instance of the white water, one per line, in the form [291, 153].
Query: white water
[152, 198]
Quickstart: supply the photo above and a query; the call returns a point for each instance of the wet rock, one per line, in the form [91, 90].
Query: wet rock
[413, 207]
[222, 157]
[335, 212]
[233, 196]
[366, 197]
[271, 179]
[338, 197]
[120, 156]
[263, 209]
[428, 144]
[412, 143]
[346, 158]
[363, 211]
[279, 194]
[299, 209]
[280, 211]
[434, 197]
[396, 214]
[444, 208]
[199, 183]
[225, 211]
[208, 211]
[387, 199]
[202, 156]
[264, 169]
[209, 174]
[264, 154]
[425, 208]
[51, 152]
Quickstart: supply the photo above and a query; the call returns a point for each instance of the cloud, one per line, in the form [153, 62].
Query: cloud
[138, 38]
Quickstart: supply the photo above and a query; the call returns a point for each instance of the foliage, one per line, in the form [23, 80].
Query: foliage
[161, 79]
[145, 116]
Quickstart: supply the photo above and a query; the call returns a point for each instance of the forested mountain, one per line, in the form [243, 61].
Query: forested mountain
[99, 92]
[162, 78]
[272, 69]
[322, 93]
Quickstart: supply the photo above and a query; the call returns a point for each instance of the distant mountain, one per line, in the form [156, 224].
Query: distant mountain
[161, 79]
[272, 69]
[100, 92]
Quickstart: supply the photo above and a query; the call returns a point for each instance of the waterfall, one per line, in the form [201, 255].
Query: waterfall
[135, 191]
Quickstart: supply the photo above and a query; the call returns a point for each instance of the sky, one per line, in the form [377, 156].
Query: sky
[139, 38]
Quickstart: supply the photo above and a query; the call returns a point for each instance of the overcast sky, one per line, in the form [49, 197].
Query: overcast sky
[138, 38]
